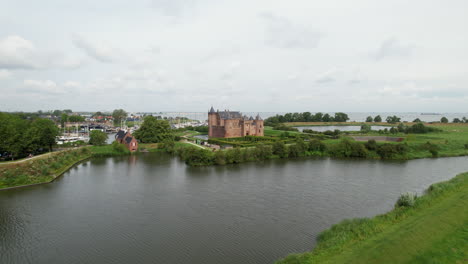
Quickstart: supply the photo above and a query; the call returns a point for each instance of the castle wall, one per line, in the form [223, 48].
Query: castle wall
[225, 128]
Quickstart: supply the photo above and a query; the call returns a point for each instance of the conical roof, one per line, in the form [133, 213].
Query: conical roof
[212, 110]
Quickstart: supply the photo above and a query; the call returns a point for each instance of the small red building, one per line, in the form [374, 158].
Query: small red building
[127, 139]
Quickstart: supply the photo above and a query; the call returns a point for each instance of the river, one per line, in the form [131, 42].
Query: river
[152, 208]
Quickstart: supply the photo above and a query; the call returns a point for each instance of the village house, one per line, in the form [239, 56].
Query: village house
[127, 139]
[226, 124]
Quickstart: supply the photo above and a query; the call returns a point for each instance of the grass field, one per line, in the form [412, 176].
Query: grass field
[434, 230]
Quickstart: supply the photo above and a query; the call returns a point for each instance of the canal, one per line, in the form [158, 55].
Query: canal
[152, 208]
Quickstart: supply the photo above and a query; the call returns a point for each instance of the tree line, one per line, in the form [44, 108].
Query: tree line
[23, 135]
[306, 117]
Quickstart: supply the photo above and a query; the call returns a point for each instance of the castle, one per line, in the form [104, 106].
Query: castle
[226, 124]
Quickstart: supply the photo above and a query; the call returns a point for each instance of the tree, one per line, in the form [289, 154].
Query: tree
[97, 138]
[76, 118]
[318, 117]
[366, 128]
[444, 120]
[378, 119]
[154, 131]
[341, 117]
[393, 119]
[327, 118]
[119, 115]
[307, 116]
[369, 119]
[417, 120]
[456, 120]
[63, 119]
[42, 133]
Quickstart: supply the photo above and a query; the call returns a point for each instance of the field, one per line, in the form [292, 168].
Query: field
[434, 230]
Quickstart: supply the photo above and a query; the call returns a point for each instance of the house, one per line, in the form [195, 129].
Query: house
[226, 124]
[127, 139]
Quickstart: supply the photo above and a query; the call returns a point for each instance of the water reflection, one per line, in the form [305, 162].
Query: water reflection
[142, 208]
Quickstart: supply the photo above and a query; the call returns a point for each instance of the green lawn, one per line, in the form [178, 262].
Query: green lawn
[435, 230]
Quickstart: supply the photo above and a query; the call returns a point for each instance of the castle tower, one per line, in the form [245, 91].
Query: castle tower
[211, 121]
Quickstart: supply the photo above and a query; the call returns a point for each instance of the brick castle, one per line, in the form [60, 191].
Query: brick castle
[226, 124]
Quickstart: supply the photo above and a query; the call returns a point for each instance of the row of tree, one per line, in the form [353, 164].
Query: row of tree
[23, 136]
[395, 119]
[306, 117]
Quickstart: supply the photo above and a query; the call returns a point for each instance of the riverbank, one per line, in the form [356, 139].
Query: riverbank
[433, 230]
[43, 169]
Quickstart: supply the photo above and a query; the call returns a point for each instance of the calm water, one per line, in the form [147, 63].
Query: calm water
[341, 128]
[153, 209]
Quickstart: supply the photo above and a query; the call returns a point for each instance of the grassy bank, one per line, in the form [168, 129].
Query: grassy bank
[433, 230]
[42, 169]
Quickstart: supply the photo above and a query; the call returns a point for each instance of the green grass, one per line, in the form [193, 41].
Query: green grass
[435, 230]
[41, 170]
[107, 150]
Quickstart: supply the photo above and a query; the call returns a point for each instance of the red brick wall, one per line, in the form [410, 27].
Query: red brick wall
[233, 127]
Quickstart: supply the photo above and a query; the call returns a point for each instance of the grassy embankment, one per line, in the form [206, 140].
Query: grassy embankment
[41, 169]
[433, 230]
[47, 167]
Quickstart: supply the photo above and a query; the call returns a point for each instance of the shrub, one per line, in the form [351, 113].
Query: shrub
[387, 151]
[347, 148]
[117, 147]
[466, 146]
[432, 148]
[279, 148]
[406, 200]
[317, 145]
[365, 127]
[371, 144]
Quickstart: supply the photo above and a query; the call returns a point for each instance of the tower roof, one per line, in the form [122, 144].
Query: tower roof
[258, 117]
[212, 110]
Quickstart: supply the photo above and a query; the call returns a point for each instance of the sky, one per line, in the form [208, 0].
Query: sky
[247, 55]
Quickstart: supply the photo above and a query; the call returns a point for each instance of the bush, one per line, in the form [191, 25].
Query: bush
[317, 145]
[366, 128]
[388, 151]
[406, 200]
[371, 144]
[466, 146]
[432, 148]
[279, 148]
[348, 149]
[195, 156]
[117, 147]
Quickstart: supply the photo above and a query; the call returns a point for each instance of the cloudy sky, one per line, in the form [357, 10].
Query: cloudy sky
[249, 55]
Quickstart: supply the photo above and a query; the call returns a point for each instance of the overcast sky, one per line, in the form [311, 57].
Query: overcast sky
[252, 55]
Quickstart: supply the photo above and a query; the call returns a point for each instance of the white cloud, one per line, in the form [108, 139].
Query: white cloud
[4, 74]
[42, 87]
[17, 53]
[102, 52]
[283, 33]
[393, 48]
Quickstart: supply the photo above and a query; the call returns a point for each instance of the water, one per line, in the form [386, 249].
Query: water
[110, 138]
[152, 208]
[341, 128]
